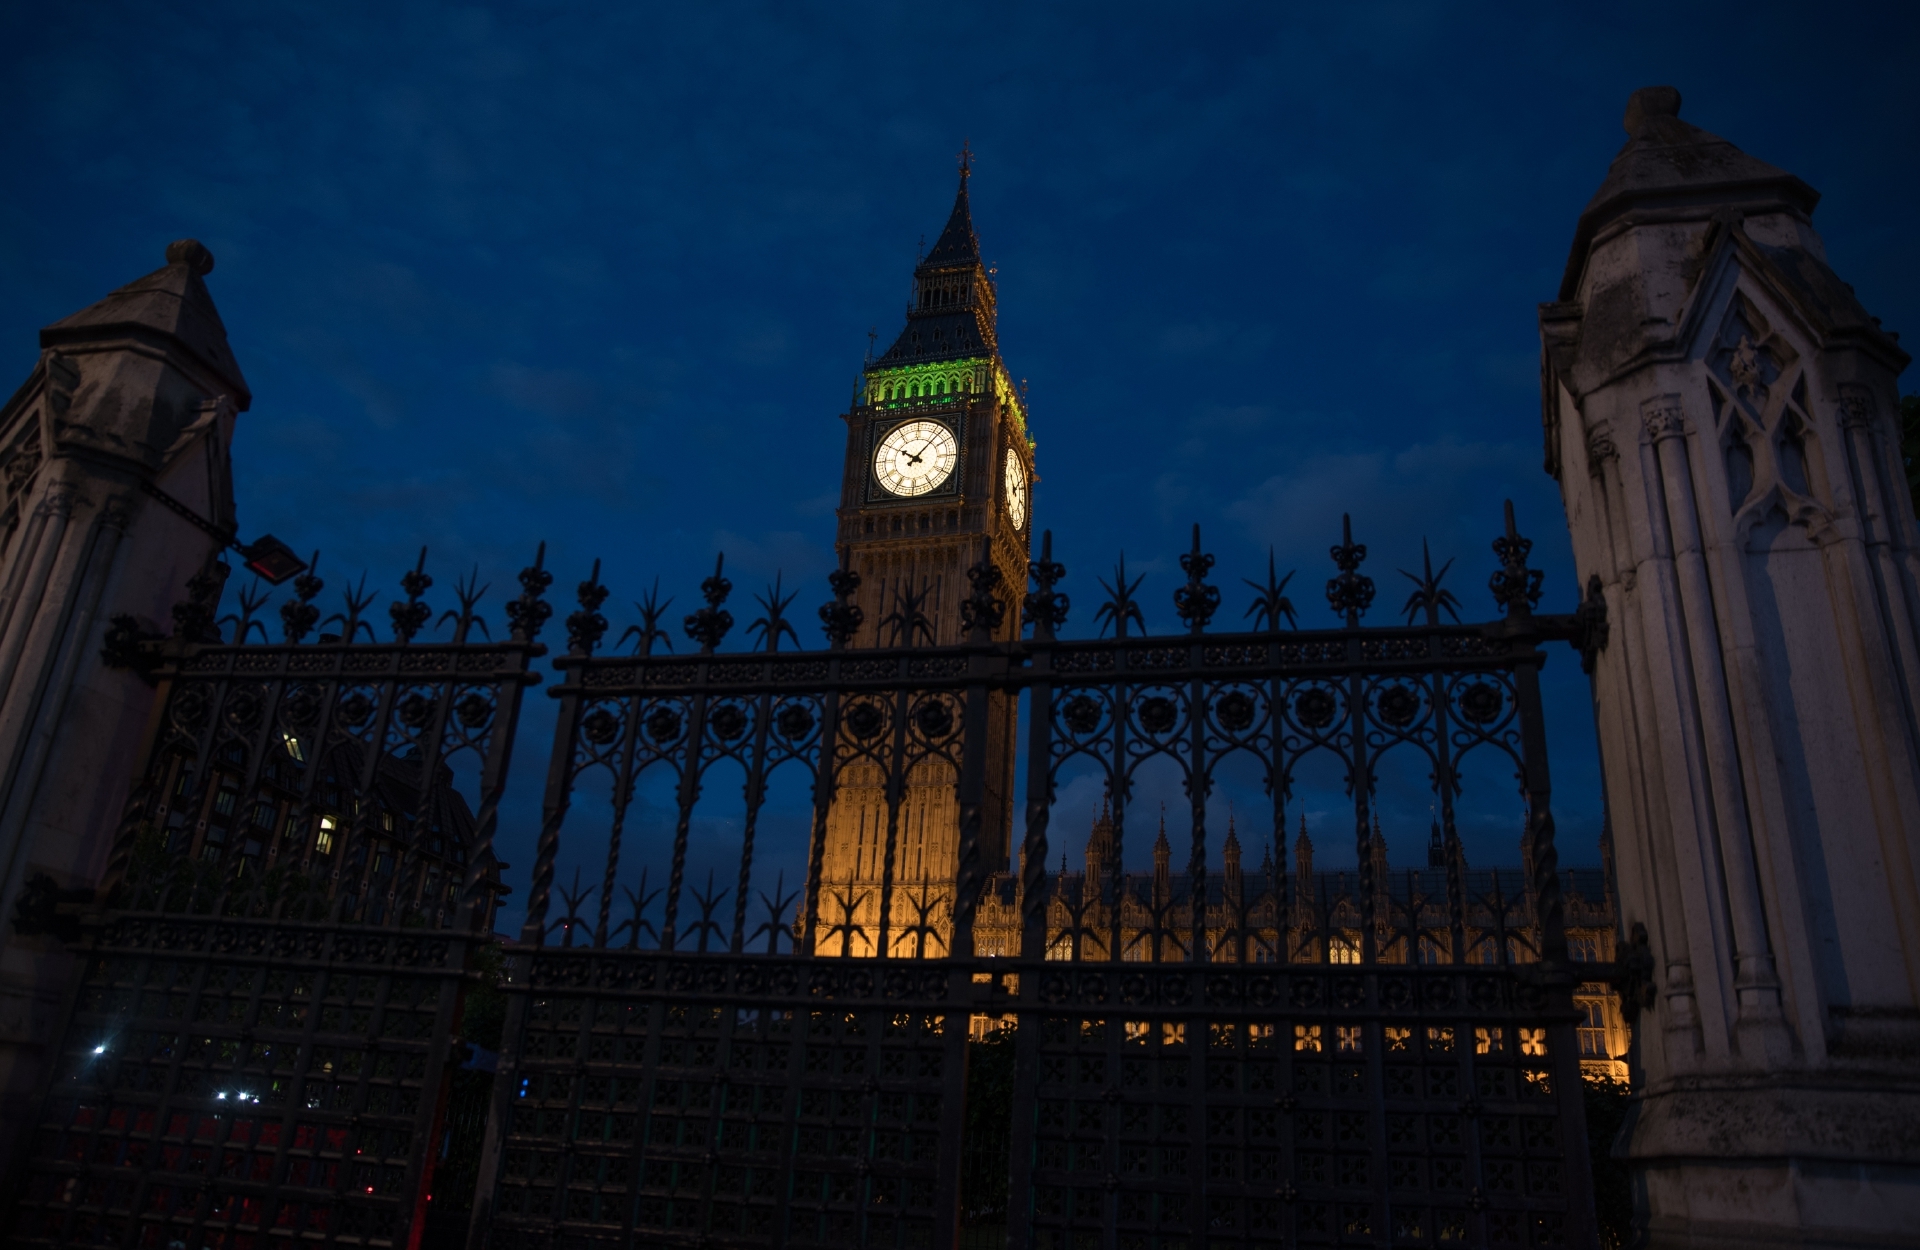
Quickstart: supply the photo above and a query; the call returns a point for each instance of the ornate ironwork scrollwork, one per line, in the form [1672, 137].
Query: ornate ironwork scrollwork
[412, 615]
[1351, 593]
[1045, 607]
[842, 618]
[982, 611]
[710, 624]
[1516, 588]
[1196, 602]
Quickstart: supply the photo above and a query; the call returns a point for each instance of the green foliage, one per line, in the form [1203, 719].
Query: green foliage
[1607, 1103]
[1910, 444]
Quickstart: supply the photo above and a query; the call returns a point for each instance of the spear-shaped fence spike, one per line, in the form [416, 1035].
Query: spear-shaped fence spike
[1120, 607]
[1429, 597]
[1270, 601]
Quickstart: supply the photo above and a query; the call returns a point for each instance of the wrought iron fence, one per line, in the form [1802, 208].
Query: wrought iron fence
[1244, 1060]
[672, 1085]
[257, 1047]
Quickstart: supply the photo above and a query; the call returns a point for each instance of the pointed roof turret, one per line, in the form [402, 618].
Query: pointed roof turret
[952, 313]
[957, 244]
[1671, 164]
[1100, 838]
[170, 306]
[1436, 848]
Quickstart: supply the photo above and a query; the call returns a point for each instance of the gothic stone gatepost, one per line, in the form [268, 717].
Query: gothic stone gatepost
[1721, 414]
[137, 390]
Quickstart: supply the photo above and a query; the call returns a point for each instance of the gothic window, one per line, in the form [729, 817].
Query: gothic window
[1739, 469]
[1793, 458]
[1592, 1030]
[1344, 950]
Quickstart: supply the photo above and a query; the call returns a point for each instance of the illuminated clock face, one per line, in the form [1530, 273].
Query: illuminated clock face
[1016, 490]
[916, 457]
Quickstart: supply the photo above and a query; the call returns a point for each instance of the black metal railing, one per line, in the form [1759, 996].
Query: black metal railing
[690, 1055]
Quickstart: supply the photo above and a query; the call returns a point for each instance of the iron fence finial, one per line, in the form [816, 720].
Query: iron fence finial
[298, 616]
[841, 619]
[1351, 593]
[982, 612]
[409, 617]
[710, 624]
[586, 627]
[648, 631]
[771, 626]
[1045, 607]
[1516, 588]
[1196, 602]
[1120, 606]
[1270, 600]
[1429, 597]
[529, 612]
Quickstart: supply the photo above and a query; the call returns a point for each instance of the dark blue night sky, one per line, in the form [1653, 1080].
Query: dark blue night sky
[603, 275]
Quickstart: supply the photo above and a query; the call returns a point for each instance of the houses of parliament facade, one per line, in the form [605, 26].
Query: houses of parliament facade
[939, 469]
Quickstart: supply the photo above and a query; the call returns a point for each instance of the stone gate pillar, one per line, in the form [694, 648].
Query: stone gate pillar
[139, 389]
[1722, 416]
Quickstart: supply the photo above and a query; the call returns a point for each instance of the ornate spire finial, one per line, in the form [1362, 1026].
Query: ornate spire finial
[966, 161]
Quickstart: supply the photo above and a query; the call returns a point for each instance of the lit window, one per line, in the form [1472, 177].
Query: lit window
[323, 841]
[1306, 1037]
[1139, 1032]
[1592, 1030]
[294, 748]
[1489, 1041]
[1533, 1042]
[1399, 1039]
[1344, 950]
[1349, 1038]
[1173, 1032]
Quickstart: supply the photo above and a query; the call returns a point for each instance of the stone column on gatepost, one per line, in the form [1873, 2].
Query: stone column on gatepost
[1757, 702]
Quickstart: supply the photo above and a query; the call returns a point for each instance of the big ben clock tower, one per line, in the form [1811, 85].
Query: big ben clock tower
[938, 469]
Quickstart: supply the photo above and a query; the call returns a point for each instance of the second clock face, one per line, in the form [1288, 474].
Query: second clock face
[916, 457]
[1016, 490]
